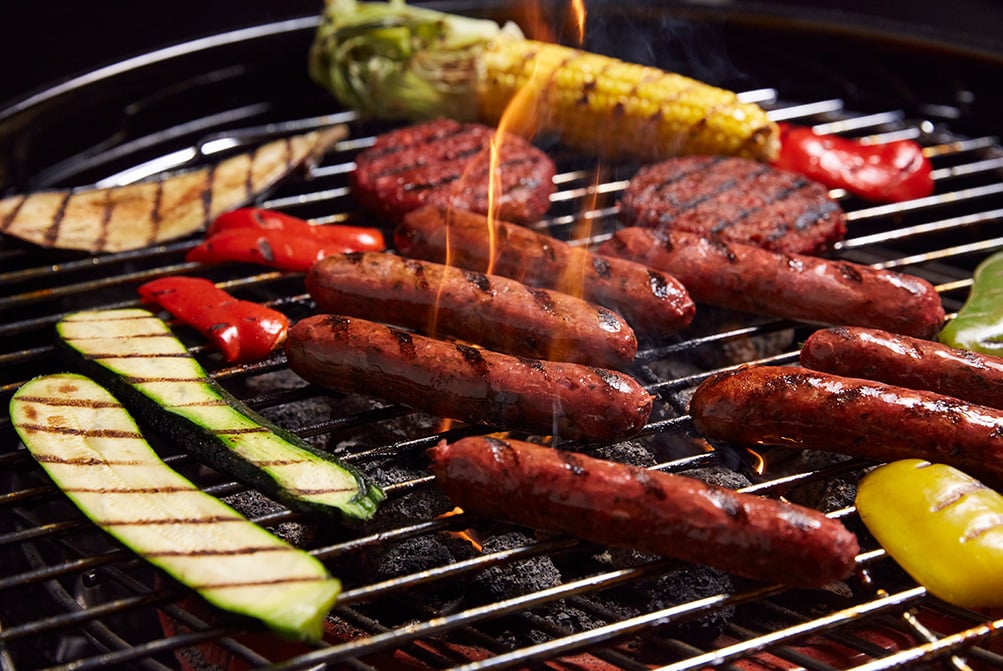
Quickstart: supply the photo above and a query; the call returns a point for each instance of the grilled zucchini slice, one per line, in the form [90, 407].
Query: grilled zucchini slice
[135, 355]
[92, 449]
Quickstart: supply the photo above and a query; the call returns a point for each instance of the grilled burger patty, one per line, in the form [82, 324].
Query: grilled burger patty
[736, 200]
[447, 163]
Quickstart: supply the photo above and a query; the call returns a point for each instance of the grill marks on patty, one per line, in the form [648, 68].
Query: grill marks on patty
[446, 163]
[735, 200]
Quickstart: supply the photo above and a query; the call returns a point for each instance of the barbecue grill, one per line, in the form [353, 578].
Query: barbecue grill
[425, 586]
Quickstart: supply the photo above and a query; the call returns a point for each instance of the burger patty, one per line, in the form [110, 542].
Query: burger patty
[447, 163]
[736, 200]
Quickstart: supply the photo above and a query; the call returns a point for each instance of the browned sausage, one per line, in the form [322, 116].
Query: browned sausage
[450, 380]
[907, 362]
[651, 301]
[651, 511]
[487, 310]
[796, 407]
[793, 286]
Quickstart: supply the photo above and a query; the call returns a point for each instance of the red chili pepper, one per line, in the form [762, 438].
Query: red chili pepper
[893, 171]
[267, 237]
[243, 330]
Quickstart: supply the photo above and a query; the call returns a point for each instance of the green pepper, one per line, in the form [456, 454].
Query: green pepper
[943, 527]
[979, 324]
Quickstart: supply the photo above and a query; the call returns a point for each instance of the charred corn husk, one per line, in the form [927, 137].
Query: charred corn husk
[402, 62]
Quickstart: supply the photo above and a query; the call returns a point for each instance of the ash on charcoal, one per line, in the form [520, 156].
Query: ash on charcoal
[825, 494]
[690, 584]
[722, 476]
[253, 504]
[516, 578]
[293, 414]
[711, 320]
[677, 586]
[419, 503]
[628, 452]
[412, 556]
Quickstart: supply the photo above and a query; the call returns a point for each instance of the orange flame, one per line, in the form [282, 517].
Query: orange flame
[579, 13]
[468, 535]
[758, 461]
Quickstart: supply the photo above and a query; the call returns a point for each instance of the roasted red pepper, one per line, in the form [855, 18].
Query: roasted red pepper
[267, 237]
[893, 171]
[242, 330]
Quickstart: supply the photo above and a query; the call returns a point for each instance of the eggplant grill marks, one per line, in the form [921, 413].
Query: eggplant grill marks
[119, 218]
[735, 200]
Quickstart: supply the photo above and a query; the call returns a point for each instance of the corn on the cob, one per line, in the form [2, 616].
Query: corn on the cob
[397, 61]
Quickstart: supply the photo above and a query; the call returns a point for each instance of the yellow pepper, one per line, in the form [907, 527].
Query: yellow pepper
[943, 527]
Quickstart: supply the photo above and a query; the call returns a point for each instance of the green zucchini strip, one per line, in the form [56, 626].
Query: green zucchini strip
[92, 449]
[135, 355]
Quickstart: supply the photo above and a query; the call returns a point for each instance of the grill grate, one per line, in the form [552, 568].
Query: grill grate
[71, 598]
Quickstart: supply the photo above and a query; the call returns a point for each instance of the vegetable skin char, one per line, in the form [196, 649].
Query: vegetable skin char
[796, 407]
[495, 312]
[941, 525]
[455, 381]
[173, 205]
[907, 362]
[403, 61]
[793, 286]
[650, 511]
[651, 301]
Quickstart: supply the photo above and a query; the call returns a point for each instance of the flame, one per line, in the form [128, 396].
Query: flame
[758, 461]
[468, 535]
[579, 14]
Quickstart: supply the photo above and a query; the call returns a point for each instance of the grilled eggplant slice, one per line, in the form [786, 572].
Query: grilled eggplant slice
[170, 206]
[136, 356]
[92, 449]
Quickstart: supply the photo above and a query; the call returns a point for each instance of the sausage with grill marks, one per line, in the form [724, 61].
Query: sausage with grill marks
[451, 380]
[651, 511]
[651, 301]
[488, 310]
[908, 362]
[796, 407]
[793, 286]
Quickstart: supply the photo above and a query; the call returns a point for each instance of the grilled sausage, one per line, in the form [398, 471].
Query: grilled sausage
[651, 301]
[488, 310]
[796, 407]
[908, 362]
[568, 400]
[793, 286]
[651, 511]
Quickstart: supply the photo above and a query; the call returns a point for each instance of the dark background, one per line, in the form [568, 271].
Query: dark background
[46, 42]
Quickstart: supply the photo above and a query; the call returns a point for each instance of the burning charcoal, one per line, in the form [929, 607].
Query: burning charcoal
[690, 584]
[627, 452]
[826, 494]
[722, 476]
[292, 414]
[522, 577]
[414, 555]
[682, 585]
[252, 504]
[742, 348]
[411, 556]
[419, 503]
